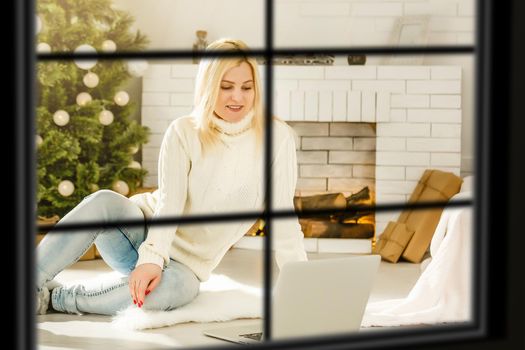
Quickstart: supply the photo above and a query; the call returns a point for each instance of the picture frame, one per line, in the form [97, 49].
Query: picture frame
[408, 31]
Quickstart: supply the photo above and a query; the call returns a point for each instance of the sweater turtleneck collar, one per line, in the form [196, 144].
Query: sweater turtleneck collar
[234, 128]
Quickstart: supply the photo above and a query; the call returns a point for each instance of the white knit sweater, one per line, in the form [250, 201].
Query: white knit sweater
[228, 180]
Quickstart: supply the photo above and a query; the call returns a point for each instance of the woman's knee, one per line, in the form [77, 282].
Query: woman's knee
[110, 204]
[104, 196]
[176, 289]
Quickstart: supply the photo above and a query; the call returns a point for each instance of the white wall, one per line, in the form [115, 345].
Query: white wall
[368, 22]
[171, 24]
[468, 84]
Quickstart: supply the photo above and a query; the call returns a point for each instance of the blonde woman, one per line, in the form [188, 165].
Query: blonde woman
[210, 162]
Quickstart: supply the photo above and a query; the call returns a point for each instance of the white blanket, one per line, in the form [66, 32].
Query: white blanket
[443, 291]
[220, 299]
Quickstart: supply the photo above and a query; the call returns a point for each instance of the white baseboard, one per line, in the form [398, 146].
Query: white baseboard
[316, 245]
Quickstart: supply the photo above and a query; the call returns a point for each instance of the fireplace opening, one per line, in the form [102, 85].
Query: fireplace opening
[336, 168]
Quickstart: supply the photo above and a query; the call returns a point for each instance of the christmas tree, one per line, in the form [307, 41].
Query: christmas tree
[85, 140]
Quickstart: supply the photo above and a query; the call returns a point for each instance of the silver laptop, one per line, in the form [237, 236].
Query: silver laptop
[313, 298]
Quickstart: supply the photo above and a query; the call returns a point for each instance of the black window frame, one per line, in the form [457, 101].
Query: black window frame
[488, 131]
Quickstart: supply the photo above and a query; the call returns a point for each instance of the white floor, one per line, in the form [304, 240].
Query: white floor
[63, 331]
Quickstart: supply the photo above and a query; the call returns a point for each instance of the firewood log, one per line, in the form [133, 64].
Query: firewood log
[358, 197]
[336, 201]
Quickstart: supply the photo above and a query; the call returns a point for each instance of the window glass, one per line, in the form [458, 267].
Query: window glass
[138, 25]
[314, 24]
[127, 126]
[358, 135]
[406, 276]
[372, 132]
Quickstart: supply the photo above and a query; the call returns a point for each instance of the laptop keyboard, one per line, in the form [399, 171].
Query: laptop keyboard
[254, 336]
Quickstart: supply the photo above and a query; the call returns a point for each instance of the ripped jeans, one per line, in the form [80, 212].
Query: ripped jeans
[118, 246]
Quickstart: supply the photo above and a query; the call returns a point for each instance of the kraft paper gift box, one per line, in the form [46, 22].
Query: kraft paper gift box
[433, 186]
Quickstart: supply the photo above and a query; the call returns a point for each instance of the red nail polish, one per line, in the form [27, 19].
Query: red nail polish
[134, 301]
[147, 292]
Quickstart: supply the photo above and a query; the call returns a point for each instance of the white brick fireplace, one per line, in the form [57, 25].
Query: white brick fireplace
[416, 111]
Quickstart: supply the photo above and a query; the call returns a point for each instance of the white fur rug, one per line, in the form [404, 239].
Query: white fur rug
[220, 299]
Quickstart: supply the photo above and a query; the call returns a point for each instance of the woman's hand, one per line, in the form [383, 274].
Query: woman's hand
[143, 280]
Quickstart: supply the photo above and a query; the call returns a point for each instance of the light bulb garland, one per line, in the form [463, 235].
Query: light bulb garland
[133, 149]
[134, 165]
[66, 188]
[109, 46]
[83, 98]
[85, 64]
[105, 117]
[38, 140]
[38, 24]
[91, 80]
[121, 98]
[121, 187]
[61, 117]
[43, 48]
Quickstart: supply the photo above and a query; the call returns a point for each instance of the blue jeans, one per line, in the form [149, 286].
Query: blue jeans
[118, 247]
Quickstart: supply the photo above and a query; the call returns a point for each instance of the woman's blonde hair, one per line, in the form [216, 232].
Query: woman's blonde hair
[211, 70]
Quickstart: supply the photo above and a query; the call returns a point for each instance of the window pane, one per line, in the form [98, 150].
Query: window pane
[406, 277]
[102, 128]
[348, 23]
[369, 133]
[135, 25]
[213, 284]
